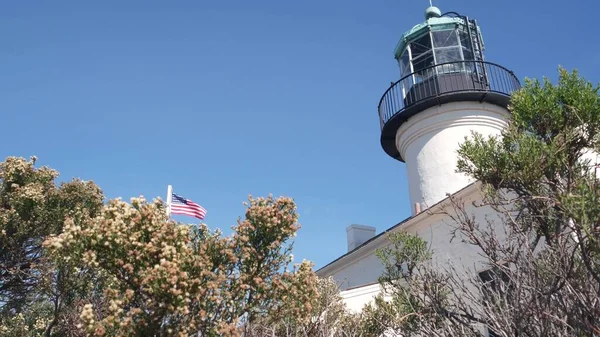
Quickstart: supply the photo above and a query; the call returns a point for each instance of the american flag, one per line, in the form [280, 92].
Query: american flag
[181, 205]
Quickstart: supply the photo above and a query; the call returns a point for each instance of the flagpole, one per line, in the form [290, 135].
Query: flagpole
[169, 199]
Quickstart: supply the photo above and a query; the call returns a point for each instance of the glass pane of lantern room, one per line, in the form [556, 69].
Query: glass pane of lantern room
[447, 50]
[420, 46]
[423, 67]
[465, 42]
[445, 38]
[404, 64]
[449, 59]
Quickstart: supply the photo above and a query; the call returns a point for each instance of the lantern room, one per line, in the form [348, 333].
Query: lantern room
[441, 61]
[444, 41]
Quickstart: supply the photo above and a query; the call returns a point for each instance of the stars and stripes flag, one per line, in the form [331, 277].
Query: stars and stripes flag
[181, 205]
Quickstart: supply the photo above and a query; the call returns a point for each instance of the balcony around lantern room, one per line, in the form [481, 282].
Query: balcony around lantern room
[450, 69]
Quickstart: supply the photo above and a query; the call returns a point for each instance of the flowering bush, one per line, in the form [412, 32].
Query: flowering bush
[71, 265]
[164, 278]
[32, 206]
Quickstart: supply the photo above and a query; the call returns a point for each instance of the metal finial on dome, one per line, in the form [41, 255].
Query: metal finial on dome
[432, 12]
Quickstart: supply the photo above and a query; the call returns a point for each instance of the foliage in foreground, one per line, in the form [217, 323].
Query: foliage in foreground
[73, 266]
[32, 207]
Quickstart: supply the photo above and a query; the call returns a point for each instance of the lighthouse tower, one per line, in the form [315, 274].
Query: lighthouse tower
[446, 90]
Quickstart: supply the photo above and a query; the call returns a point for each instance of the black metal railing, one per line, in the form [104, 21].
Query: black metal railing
[445, 79]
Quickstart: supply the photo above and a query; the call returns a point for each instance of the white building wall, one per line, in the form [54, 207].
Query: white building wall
[357, 273]
[428, 142]
[356, 298]
[594, 159]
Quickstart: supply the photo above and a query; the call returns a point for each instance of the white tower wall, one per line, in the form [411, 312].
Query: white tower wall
[428, 143]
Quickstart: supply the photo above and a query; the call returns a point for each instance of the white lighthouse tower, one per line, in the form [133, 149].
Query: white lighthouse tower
[446, 90]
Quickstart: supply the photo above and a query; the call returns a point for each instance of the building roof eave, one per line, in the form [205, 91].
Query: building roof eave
[379, 239]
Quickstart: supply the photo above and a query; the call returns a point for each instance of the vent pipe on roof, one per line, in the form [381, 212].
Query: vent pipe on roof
[417, 209]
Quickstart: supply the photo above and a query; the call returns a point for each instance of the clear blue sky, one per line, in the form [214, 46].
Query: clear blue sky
[226, 98]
